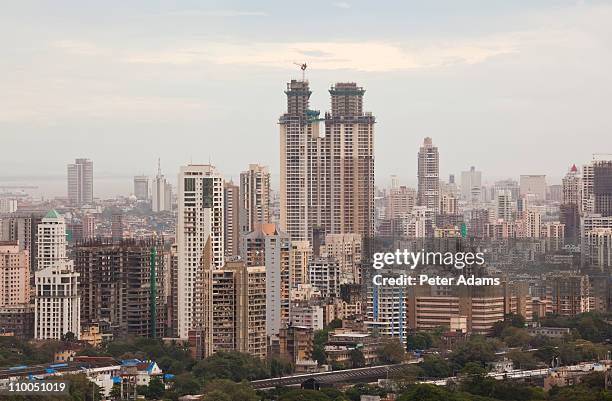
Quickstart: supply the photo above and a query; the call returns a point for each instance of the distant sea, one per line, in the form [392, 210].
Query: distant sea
[56, 186]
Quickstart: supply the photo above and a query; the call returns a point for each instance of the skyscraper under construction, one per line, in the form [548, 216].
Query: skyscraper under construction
[327, 178]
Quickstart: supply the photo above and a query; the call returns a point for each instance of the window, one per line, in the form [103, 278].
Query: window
[189, 184]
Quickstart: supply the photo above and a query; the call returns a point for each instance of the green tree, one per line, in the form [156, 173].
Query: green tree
[234, 391]
[185, 383]
[392, 351]
[435, 366]
[216, 395]
[419, 341]
[515, 337]
[473, 369]
[154, 390]
[478, 349]
[234, 366]
[357, 358]
[522, 360]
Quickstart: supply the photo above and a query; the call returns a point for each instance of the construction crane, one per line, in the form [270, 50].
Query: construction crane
[303, 67]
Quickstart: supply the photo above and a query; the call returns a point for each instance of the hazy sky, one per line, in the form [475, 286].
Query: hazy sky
[509, 86]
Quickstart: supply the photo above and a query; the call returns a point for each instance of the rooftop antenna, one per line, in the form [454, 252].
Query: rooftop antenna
[303, 67]
[158, 166]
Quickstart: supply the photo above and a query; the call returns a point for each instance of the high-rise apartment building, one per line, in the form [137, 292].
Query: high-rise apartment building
[80, 182]
[428, 174]
[14, 274]
[349, 144]
[141, 187]
[301, 253]
[57, 302]
[161, 193]
[200, 219]
[8, 205]
[346, 249]
[598, 244]
[399, 202]
[327, 181]
[268, 246]
[117, 227]
[324, 274]
[239, 309]
[597, 187]
[254, 197]
[471, 185]
[23, 228]
[231, 211]
[503, 205]
[569, 210]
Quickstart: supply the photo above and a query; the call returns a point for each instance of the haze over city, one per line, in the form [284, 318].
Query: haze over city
[516, 88]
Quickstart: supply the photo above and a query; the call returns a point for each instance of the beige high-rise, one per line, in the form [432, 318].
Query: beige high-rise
[428, 193]
[327, 181]
[254, 197]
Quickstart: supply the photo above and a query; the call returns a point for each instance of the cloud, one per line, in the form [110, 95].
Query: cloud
[79, 47]
[216, 13]
[341, 4]
[370, 56]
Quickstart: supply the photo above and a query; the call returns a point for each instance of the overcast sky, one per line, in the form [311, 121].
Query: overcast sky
[512, 87]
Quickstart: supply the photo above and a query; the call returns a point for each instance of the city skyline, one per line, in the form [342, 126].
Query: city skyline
[532, 80]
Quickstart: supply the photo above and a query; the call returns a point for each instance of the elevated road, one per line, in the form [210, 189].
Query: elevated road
[363, 375]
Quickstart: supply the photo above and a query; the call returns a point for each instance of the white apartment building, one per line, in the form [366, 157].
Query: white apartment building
[57, 299]
[200, 218]
[161, 193]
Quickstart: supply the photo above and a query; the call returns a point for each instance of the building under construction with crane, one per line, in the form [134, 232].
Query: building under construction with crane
[122, 286]
[327, 172]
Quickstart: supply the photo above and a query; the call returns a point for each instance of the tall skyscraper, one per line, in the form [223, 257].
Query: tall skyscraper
[299, 132]
[268, 246]
[254, 197]
[327, 181]
[602, 187]
[428, 191]
[571, 187]
[80, 182]
[231, 212]
[57, 305]
[471, 185]
[349, 141]
[141, 187]
[569, 209]
[161, 192]
[200, 219]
